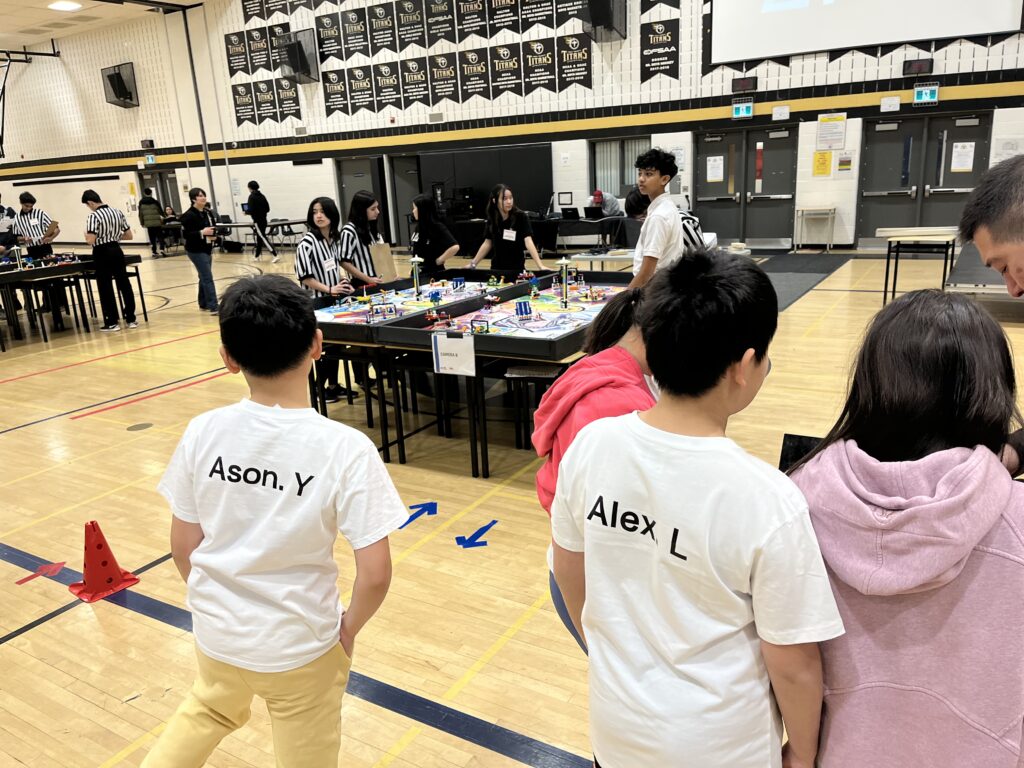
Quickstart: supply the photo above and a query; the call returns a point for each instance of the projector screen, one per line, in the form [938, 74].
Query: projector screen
[757, 29]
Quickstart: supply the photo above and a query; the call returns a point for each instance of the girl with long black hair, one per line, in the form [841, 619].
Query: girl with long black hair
[358, 234]
[431, 241]
[508, 233]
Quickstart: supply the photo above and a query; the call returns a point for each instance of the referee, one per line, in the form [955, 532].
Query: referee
[105, 228]
[32, 227]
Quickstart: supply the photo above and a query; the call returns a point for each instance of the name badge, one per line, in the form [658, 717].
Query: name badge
[508, 234]
[330, 264]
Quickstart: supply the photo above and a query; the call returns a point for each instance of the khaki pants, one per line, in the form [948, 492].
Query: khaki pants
[304, 706]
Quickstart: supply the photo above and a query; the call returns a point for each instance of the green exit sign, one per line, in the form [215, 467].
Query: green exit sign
[742, 109]
[926, 94]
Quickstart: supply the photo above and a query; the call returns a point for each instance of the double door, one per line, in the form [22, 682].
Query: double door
[918, 172]
[745, 185]
[164, 185]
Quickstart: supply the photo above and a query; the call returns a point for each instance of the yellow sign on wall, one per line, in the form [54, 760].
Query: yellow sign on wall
[822, 164]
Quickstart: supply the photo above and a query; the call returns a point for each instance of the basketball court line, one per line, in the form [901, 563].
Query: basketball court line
[432, 714]
[150, 396]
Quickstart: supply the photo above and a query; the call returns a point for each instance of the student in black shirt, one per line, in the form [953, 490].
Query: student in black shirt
[431, 241]
[200, 231]
[508, 233]
[258, 208]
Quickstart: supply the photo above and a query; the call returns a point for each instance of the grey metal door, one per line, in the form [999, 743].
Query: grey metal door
[164, 186]
[891, 164]
[770, 188]
[719, 184]
[957, 155]
[353, 174]
[406, 176]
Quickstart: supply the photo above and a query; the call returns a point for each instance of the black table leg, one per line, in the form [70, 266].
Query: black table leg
[471, 407]
[10, 302]
[81, 305]
[896, 267]
[142, 295]
[367, 390]
[348, 380]
[30, 300]
[382, 405]
[947, 262]
[396, 387]
[485, 463]
[885, 286]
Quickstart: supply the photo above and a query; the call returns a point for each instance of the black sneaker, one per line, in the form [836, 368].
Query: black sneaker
[333, 394]
[110, 328]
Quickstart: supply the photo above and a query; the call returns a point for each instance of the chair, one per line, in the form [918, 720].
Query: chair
[519, 377]
[289, 235]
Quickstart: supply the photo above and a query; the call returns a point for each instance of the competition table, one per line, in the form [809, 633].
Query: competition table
[916, 240]
[70, 274]
[552, 336]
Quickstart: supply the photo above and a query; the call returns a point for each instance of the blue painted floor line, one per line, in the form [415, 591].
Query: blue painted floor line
[495, 738]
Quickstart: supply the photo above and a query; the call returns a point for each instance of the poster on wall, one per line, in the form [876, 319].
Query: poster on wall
[440, 18]
[295, 5]
[253, 9]
[473, 74]
[715, 169]
[962, 159]
[360, 89]
[387, 85]
[245, 106]
[444, 78]
[534, 12]
[574, 64]
[328, 38]
[659, 49]
[646, 5]
[259, 49]
[570, 9]
[381, 20]
[353, 34]
[822, 165]
[415, 86]
[470, 18]
[335, 92]
[410, 24]
[539, 65]
[503, 14]
[287, 92]
[506, 70]
[831, 131]
[238, 53]
[274, 7]
[266, 104]
[276, 31]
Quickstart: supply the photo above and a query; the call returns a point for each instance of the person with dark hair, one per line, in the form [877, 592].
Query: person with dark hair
[507, 234]
[661, 239]
[34, 228]
[920, 526]
[431, 241]
[259, 491]
[151, 218]
[198, 227]
[258, 209]
[318, 268]
[105, 228]
[637, 204]
[358, 234]
[609, 381]
[608, 203]
[706, 595]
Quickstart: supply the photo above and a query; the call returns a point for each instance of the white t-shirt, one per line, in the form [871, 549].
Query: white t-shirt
[661, 235]
[271, 488]
[694, 550]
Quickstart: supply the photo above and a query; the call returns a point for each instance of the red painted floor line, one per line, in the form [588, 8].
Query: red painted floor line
[106, 357]
[150, 396]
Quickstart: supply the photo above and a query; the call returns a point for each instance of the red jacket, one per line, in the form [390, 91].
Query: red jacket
[609, 383]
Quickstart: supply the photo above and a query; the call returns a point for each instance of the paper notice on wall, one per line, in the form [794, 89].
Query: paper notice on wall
[890, 104]
[1006, 149]
[831, 131]
[844, 164]
[822, 164]
[716, 168]
[962, 160]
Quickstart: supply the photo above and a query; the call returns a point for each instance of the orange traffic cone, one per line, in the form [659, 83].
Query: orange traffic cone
[100, 571]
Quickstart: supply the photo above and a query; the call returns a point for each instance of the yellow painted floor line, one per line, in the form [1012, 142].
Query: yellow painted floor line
[134, 746]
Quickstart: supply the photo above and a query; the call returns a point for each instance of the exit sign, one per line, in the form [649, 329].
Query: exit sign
[926, 94]
[742, 109]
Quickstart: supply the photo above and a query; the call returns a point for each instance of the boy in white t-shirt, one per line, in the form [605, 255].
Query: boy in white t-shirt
[661, 239]
[259, 491]
[690, 566]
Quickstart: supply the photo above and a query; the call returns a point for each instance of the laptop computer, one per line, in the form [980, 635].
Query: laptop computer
[245, 207]
[593, 212]
[571, 213]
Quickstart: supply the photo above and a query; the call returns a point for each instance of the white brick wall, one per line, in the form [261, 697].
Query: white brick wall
[839, 190]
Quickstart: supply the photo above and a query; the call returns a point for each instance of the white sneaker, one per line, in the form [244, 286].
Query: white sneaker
[110, 328]
[275, 259]
[133, 324]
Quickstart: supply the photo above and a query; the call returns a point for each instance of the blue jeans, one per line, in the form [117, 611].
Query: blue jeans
[207, 290]
[563, 612]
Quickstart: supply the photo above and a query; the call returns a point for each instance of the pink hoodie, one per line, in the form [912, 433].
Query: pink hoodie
[609, 383]
[927, 564]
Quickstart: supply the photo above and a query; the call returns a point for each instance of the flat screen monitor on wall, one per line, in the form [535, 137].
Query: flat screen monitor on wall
[299, 56]
[743, 30]
[119, 86]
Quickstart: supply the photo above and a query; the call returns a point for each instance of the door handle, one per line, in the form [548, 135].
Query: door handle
[752, 197]
[911, 193]
[720, 198]
[930, 190]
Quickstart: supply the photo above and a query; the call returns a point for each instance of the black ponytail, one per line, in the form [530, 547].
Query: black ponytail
[614, 321]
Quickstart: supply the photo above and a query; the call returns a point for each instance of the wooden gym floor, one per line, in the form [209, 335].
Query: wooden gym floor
[465, 665]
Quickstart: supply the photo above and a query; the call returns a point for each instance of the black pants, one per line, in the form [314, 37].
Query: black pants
[327, 371]
[108, 261]
[156, 237]
[261, 225]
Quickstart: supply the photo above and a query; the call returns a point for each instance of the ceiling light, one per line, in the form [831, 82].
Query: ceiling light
[64, 5]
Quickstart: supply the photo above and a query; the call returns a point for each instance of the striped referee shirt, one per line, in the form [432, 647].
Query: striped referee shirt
[318, 258]
[356, 251]
[693, 238]
[32, 225]
[108, 224]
